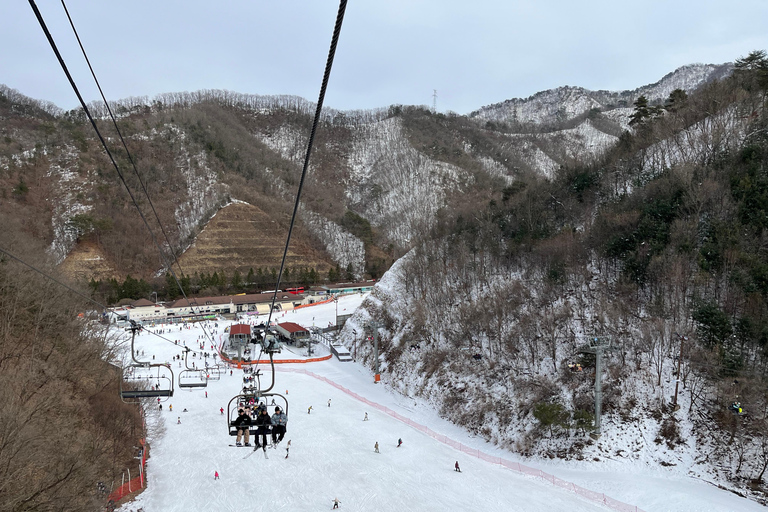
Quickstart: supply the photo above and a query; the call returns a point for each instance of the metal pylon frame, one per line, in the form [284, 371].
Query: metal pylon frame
[597, 345]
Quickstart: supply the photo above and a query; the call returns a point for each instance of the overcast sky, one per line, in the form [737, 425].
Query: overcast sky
[390, 52]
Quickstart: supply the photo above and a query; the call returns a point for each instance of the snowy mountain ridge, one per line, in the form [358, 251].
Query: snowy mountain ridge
[565, 103]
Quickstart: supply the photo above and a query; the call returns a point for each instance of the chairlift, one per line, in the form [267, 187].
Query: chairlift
[192, 378]
[252, 394]
[138, 390]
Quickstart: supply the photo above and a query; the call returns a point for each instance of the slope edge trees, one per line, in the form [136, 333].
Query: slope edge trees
[63, 426]
[670, 251]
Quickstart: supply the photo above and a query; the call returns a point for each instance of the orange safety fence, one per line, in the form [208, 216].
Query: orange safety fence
[314, 304]
[133, 484]
[239, 364]
[597, 497]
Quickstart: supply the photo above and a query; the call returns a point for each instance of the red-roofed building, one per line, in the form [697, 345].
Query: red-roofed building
[292, 332]
[239, 338]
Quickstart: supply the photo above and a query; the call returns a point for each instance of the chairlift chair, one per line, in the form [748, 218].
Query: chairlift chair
[252, 392]
[135, 394]
[192, 378]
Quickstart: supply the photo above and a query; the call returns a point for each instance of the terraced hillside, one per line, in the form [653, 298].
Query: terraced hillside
[241, 236]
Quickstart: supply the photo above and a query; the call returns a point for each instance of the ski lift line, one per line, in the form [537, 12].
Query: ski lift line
[89, 299]
[109, 153]
[321, 98]
[120, 135]
[47, 276]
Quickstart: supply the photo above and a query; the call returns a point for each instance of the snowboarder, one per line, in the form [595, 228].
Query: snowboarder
[366, 417]
[178, 420]
[456, 467]
[215, 475]
[160, 406]
[399, 442]
[376, 447]
[329, 402]
[336, 502]
[309, 411]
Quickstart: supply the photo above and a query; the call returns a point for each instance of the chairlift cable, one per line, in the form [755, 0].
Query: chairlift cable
[321, 98]
[109, 154]
[120, 135]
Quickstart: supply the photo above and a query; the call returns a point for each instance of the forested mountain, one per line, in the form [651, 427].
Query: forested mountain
[378, 181]
[657, 245]
[511, 241]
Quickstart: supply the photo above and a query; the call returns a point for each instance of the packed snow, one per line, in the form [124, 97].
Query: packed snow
[332, 448]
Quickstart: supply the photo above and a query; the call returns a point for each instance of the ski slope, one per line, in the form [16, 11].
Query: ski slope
[332, 451]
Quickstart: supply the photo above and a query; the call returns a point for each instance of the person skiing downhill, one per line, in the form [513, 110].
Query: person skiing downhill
[399, 442]
[366, 417]
[376, 447]
[336, 502]
[456, 467]
[215, 475]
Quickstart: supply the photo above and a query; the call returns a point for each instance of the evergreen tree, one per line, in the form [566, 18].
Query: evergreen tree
[675, 100]
[237, 281]
[171, 289]
[250, 278]
[752, 71]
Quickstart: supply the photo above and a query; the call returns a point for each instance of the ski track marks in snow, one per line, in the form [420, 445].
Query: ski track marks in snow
[332, 453]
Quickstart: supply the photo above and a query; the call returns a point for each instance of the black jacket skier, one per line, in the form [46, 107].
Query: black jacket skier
[264, 424]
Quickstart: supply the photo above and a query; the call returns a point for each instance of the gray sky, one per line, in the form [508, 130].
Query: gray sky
[392, 51]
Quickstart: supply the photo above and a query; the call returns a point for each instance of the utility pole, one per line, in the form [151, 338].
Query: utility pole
[676, 407]
[598, 345]
[434, 101]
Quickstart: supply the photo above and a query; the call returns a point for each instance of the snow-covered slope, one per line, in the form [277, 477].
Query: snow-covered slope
[564, 103]
[332, 455]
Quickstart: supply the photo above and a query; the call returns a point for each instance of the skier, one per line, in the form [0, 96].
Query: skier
[170, 407]
[399, 442]
[336, 502]
[264, 424]
[287, 448]
[242, 422]
[376, 447]
[309, 411]
[215, 475]
[206, 394]
[329, 402]
[178, 420]
[222, 410]
[279, 424]
[366, 417]
[456, 467]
